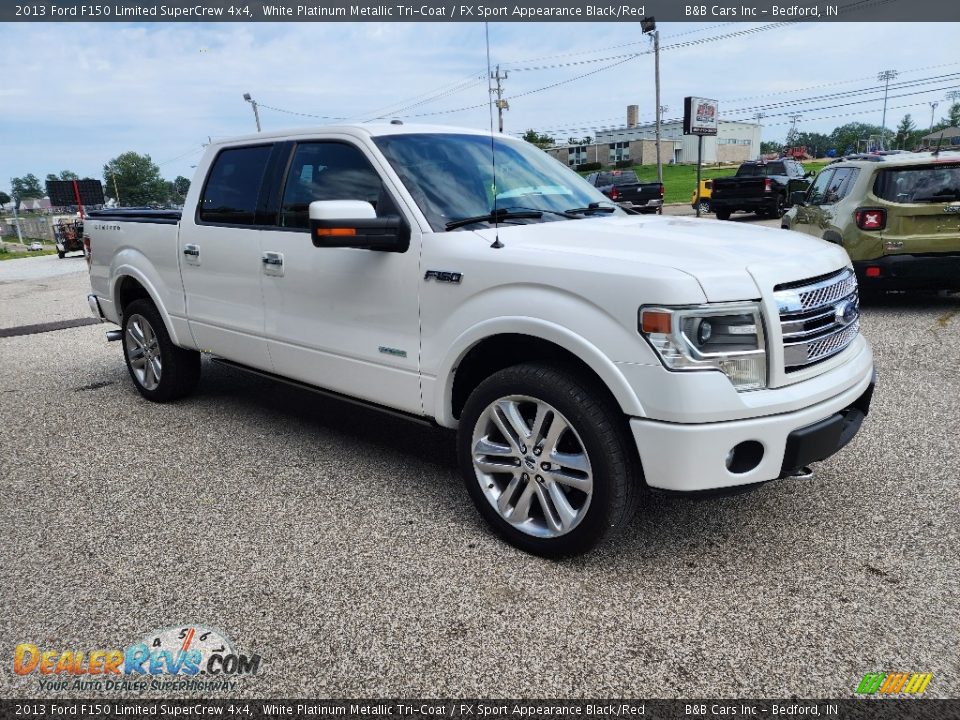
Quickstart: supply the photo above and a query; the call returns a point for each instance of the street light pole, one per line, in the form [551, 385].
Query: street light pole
[933, 108]
[885, 77]
[256, 113]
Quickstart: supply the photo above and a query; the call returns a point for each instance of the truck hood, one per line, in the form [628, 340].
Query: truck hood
[730, 260]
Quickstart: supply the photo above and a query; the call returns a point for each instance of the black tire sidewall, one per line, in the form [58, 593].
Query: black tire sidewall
[170, 385]
[603, 441]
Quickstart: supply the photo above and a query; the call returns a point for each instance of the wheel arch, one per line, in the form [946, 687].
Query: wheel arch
[129, 284]
[485, 350]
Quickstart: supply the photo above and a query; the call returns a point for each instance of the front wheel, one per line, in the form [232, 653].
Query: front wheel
[781, 207]
[161, 371]
[723, 214]
[61, 254]
[704, 207]
[546, 462]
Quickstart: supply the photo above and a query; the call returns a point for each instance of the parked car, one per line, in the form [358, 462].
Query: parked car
[706, 188]
[896, 215]
[625, 189]
[763, 187]
[579, 352]
[34, 246]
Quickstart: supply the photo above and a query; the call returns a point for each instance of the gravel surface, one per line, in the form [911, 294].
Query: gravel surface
[339, 545]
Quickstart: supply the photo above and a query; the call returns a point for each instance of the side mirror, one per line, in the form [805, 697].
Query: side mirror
[798, 197]
[354, 224]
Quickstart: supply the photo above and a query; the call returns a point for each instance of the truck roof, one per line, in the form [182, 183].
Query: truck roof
[358, 130]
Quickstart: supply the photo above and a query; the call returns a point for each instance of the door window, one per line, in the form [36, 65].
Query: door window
[327, 171]
[818, 191]
[840, 184]
[233, 186]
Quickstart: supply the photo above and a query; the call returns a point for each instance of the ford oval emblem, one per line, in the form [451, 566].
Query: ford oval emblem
[846, 312]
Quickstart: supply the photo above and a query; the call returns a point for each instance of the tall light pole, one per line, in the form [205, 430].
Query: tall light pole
[885, 77]
[649, 26]
[933, 109]
[256, 113]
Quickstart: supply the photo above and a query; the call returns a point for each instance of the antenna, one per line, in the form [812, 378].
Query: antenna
[493, 152]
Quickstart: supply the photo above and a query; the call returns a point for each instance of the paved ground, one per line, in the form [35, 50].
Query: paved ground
[339, 545]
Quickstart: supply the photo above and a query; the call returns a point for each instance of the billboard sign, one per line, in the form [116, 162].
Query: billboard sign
[699, 116]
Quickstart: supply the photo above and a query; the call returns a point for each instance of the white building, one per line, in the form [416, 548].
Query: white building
[734, 142]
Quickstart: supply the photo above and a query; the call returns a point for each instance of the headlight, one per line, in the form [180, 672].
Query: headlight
[726, 336]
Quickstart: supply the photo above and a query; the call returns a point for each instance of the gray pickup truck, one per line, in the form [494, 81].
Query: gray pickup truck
[625, 189]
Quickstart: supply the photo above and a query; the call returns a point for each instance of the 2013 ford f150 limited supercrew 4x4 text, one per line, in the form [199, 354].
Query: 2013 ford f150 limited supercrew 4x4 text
[471, 280]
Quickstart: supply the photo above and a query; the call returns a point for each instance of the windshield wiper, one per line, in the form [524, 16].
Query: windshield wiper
[495, 216]
[592, 207]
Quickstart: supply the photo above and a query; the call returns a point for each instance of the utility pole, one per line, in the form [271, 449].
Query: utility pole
[256, 113]
[933, 109]
[500, 103]
[885, 77]
[793, 126]
[648, 26]
[758, 117]
[16, 220]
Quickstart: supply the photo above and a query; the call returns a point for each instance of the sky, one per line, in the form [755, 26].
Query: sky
[73, 96]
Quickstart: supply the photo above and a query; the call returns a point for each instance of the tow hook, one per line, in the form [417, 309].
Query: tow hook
[114, 335]
[804, 473]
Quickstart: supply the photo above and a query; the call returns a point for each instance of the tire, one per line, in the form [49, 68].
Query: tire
[526, 417]
[781, 207]
[763, 214]
[704, 207]
[723, 214]
[168, 372]
[61, 254]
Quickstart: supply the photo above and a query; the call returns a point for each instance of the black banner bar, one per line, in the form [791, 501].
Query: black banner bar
[873, 709]
[786, 11]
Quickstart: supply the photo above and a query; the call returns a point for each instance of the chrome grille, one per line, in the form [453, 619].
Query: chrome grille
[818, 318]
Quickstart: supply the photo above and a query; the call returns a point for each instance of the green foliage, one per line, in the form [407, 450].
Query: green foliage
[26, 187]
[137, 180]
[771, 146]
[845, 137]
[541, 140]
[64, 175]
[181, 186]
[4, 198]
[588, 167]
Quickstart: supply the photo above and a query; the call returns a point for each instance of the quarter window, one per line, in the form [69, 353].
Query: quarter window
[233, 187]
[326, 171]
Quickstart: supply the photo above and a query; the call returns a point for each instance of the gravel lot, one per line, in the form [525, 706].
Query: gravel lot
[339, 544]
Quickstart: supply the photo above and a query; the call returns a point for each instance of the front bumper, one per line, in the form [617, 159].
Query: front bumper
[910, 272]
[691, 458]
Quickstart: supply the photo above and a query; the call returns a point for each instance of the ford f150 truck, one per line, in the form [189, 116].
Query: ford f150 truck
[761, 187]
[580, 353]
[626, 190]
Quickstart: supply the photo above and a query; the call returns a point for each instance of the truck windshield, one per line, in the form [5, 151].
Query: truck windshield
[451, 178]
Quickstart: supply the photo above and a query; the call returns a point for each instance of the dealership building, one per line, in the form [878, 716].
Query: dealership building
[734, 142]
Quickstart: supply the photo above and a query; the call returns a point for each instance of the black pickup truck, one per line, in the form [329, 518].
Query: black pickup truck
[625, 189]
[763, 187]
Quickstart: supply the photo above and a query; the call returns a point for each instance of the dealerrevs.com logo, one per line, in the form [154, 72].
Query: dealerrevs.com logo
[177, 658]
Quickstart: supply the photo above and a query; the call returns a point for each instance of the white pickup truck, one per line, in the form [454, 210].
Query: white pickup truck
[472, 281]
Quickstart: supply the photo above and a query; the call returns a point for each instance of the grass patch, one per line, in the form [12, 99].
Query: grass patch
[18, 255]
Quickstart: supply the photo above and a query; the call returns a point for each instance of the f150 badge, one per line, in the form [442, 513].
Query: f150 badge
[443, 276]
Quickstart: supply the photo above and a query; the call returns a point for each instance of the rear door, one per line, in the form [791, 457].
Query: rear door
[220, 257]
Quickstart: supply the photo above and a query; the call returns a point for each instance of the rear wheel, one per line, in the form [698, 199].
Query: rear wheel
[781, 207]
[546, 462]
[160, 370]
[723, 214]
[60, 254]
[704, 207]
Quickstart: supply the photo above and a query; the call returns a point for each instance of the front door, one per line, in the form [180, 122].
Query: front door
[344, 319]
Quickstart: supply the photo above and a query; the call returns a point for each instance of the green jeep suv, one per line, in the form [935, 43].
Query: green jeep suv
[897, 216]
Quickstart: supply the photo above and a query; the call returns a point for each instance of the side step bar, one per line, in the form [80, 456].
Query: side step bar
[328, 393]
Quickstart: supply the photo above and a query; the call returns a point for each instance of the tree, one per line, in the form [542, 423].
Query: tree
[64, 175]
[4, 198]
[771, 146]
[136, 178]
[906, 133]
[181, 186]
[26, 187]
[846, 137]
[540, 140]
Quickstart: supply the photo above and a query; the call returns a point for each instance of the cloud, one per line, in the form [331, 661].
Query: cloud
[80, 94]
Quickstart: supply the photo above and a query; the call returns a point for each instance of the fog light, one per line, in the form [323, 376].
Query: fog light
[744, 457]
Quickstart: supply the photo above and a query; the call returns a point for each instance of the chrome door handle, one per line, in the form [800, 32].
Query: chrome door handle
[191, 250]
